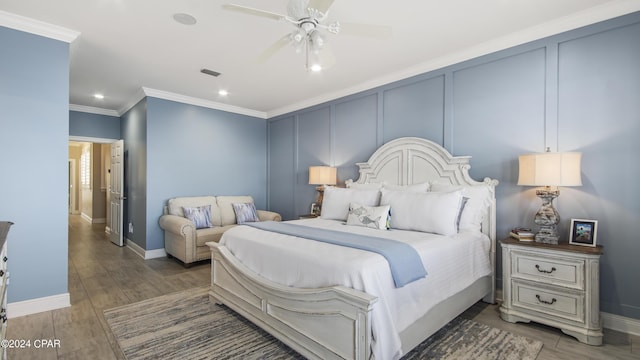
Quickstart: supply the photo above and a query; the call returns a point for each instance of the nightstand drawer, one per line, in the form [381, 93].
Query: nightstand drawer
[549, 302]
[563, 271]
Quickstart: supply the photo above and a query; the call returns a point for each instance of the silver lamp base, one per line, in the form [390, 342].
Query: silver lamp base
[547, 217]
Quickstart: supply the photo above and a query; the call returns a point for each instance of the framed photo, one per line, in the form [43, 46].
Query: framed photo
[583, 232]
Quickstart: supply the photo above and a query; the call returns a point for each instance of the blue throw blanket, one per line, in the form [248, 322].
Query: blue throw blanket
[404, 261]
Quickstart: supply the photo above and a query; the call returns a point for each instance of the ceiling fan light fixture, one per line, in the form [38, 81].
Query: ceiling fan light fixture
[316, 68]
[298, 36]
[316, 41]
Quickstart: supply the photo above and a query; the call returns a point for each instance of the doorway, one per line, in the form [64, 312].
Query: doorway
[89, 180]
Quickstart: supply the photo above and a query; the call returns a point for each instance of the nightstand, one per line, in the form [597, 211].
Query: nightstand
[307, 216]
[556, 285]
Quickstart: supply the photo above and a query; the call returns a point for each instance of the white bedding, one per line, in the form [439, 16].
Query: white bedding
[452, 264]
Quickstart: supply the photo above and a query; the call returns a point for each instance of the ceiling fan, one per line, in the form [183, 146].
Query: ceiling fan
[310, 20]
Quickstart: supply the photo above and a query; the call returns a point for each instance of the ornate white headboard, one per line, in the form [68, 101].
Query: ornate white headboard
[412, 160]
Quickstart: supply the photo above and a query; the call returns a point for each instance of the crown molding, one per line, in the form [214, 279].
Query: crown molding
[160, 94]
[571, 22]
[37, 27]
[93, 110]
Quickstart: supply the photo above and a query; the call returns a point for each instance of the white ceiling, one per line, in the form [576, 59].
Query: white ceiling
[126, 45]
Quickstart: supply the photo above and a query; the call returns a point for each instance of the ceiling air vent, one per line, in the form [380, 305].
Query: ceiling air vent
[210, 72]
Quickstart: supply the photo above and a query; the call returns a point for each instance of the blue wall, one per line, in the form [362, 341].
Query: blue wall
[94, 125]
[34, 135]
[576, 91]
[134, 133]
[195, 151]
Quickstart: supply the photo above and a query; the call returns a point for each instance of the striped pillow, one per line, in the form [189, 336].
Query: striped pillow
[201, 215]
[245, 213]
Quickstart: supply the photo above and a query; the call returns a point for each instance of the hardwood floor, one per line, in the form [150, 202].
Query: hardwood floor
[102, 276]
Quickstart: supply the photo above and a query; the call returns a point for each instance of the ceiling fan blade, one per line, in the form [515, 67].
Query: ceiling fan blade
[274, 48]
[375, 31]
[252, 11]
[297, 9]
[322, 5]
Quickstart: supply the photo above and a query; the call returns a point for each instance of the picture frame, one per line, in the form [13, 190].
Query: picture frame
[583, 232]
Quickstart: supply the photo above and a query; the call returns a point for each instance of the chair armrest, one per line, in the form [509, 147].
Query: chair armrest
[265, 215]
[177, 225]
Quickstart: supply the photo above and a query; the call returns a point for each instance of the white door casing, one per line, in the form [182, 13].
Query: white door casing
[116, 190]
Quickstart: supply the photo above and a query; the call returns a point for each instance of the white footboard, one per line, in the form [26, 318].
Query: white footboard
[325, 323]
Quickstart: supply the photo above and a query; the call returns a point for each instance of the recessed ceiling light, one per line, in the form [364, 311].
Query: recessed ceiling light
[98, 96]
[184, 19]
[316, 67]
[223, 92]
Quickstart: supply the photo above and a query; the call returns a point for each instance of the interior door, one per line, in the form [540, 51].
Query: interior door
[115, 189]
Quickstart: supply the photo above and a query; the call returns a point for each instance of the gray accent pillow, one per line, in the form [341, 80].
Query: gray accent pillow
[201, 215]
[245, 213]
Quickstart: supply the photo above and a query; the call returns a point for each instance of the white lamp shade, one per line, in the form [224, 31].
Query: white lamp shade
[322, 175]
[550, 169]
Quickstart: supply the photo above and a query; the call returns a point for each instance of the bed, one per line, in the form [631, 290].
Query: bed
[274, 280]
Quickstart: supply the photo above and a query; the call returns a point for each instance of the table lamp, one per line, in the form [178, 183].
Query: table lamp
[549, 170]
[321, 176]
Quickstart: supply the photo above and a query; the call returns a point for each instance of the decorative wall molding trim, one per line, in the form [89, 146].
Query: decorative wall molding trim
[621, 323]
[160, 94]
[91, 139]
[33, 306]
[145, 254]
[21, 23]
[93, 110]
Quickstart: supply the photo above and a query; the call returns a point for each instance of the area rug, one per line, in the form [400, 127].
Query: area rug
[186, 325]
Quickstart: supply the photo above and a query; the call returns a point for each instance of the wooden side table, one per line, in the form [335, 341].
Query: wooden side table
[307, 216]
[556, 285]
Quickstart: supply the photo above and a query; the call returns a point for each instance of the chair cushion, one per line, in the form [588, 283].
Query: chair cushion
[175, 205]
[214, 234]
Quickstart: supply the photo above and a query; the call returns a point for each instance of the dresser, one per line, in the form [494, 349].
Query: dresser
[4, 229]
[556, 285]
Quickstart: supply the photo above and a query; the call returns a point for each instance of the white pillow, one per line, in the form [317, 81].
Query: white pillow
[335, 204]
[422, 187]
[428, 212]
[376, 217]
[475, 208]
[365, 186]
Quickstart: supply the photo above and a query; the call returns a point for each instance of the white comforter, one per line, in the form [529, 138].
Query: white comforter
[452, 264]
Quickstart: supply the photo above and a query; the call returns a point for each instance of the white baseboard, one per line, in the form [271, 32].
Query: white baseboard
[145, 254]
[91, 220]
[33, 306]
[621, 323]
[85, 217]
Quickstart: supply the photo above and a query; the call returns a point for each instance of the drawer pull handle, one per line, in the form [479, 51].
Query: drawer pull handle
[545, 271]
[553, 300]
